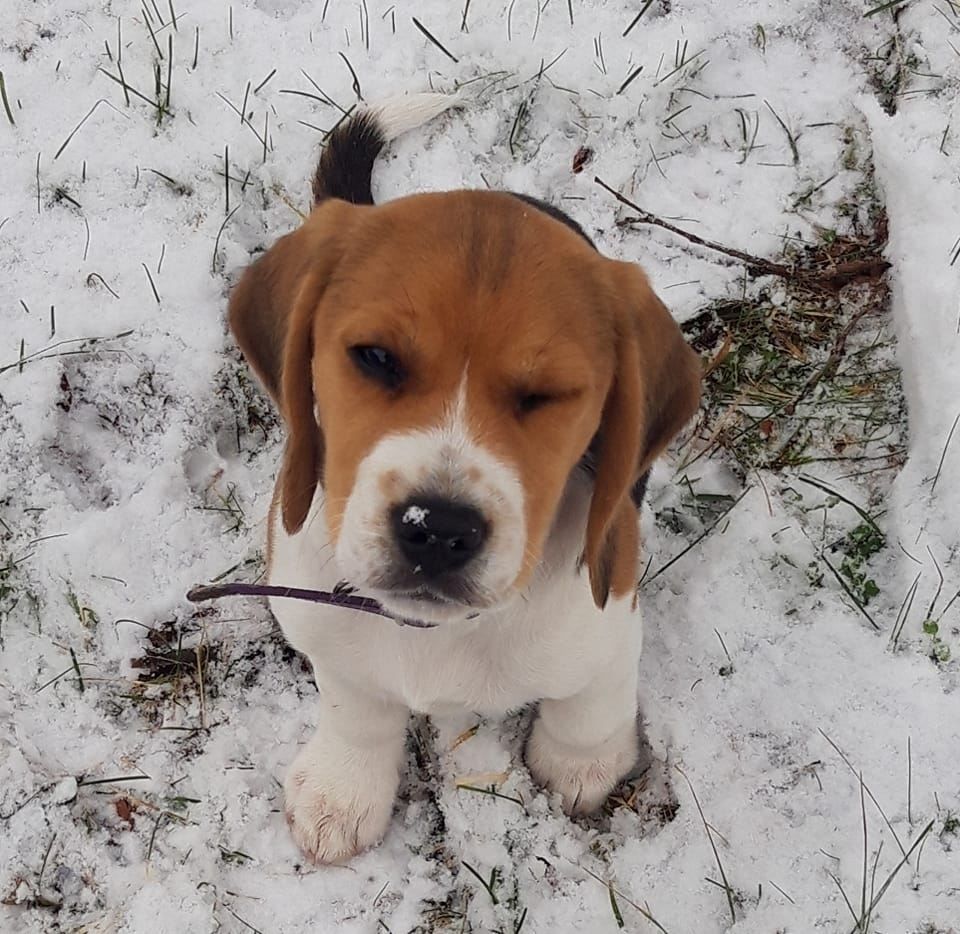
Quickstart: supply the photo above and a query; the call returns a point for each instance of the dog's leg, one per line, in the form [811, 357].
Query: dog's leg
[581, 746]
[341, 787]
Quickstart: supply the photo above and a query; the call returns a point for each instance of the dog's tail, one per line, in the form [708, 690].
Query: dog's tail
[346, 163]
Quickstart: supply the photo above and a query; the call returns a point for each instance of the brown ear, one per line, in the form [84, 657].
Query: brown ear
[271, 314]
[656, 389]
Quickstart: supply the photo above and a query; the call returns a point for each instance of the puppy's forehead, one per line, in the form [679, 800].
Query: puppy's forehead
[488, 235]
[481, 259]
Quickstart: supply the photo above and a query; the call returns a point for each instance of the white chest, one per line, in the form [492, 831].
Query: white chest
[548, 643]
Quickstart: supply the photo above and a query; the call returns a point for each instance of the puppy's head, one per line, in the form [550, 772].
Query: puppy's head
[443, 362]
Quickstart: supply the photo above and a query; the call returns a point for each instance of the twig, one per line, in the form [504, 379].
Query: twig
[943, 456]
[618, 917]
[6, 103]
[46, 352]
[153, 287]
[346, 601]
[216, 243]
[645, 912]
[904, 612]
[353, 74]
[629, 80]
[713, 846]
[936, 596]
[698, 539]
[434, 39]
[489, 886]
[490, 792]
[825, 277]
[866, 855]
[866, 788]
[76, 668]
[645, 217]
[857, 603]
[875, 901]
[810, 481]
[646, 6]
[909, 781]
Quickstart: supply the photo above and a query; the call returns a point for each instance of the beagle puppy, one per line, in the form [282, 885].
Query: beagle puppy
[473, 397]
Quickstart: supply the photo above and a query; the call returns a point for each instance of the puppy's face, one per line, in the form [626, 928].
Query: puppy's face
[445, 361]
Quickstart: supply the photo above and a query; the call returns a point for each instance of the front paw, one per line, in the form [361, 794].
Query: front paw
[337, 805]
[583, 778]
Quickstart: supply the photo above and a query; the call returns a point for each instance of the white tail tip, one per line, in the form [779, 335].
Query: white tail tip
[396, 115]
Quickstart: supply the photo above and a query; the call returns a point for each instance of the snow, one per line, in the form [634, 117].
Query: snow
[415, 515]
[143, 465]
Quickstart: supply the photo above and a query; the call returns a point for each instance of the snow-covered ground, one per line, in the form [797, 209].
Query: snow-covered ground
[142, 740]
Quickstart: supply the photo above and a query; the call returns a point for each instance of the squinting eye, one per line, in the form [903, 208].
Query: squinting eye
[378, 364]
[528, 402]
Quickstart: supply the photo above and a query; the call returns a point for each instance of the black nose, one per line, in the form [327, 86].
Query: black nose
[437, 536]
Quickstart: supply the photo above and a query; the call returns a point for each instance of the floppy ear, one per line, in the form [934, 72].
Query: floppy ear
[655, 390]
[272, 310]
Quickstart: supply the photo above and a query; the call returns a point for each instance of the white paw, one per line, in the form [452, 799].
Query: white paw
[582, 778]
[337, 805]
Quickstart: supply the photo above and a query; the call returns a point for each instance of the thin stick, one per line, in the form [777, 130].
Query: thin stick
[345, 600]
[216, 243]
[265, 80]
[645, 912]
[698, 539]
[904, 612]
[789, 135]
[645, 217]
[866, 788]
[716, 855]
[633, 74]
[243, 106]
[353, 74]
[863, 881]
[129, 89]
[943, 456]
[348, 601]
[166, 101]
[646, 6]
[156, 294]
[76, 129]
[153, 35]
[123, 82]
[832, 276]
[909, 782]
[434, 39]
[849, 592]
[936, 596]
[6, 103]
[875, 901]
[810, 481]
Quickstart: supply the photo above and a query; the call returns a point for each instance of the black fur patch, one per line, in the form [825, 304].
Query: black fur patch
[346, 163]
[555, 213]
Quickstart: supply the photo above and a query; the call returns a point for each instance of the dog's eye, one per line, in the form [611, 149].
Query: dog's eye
[528, 402]
[378, 364]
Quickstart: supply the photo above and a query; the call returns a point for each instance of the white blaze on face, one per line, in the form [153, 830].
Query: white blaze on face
[446, 463]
